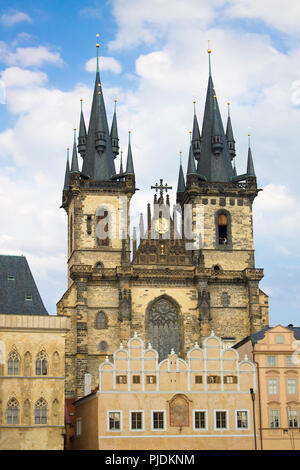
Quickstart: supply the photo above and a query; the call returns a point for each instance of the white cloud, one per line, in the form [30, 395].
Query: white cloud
[106, 63]
[272, 12]
[17, 77]
[28, 56]
[14, 17]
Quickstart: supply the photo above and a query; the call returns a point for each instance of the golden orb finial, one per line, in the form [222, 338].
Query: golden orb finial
[97, 44]
[209, 49]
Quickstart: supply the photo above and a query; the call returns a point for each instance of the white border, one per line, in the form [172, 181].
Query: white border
[215, 421]
[206, 421]
[143, 420]
[165, 420]
[248, 421]
[121, 420]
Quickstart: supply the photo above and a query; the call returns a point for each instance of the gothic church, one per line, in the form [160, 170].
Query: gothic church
[170, 288]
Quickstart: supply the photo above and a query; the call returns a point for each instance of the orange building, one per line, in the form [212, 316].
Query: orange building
[201, 403]
[275, 351]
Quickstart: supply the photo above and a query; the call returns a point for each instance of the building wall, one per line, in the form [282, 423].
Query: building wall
[28, 336]
[283, 436]
[176, 393]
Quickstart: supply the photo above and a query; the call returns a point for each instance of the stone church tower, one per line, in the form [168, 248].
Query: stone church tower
[193, 270]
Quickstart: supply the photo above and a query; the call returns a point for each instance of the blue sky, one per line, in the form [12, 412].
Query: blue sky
[154, 61]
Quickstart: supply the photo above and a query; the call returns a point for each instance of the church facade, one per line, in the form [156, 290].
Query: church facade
[191, 270]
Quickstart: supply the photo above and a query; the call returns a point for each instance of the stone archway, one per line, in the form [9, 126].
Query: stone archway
[163, 326]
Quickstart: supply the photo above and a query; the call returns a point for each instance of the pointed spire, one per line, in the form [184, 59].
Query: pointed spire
[196, 137]
[74, 164]
[98, 162]
[181, 182]
[234, 169]
[191, 169]
[121, 164]
[142, 226]
[250, 165]
[229, 135]
[82, 133]
[129, 165]
[114, 133]
[214, 163]
[209, 61]
[67, 172]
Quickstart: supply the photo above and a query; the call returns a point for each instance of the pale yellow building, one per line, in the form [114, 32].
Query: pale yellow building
[276, 353]
[203, 402]
[32, 363]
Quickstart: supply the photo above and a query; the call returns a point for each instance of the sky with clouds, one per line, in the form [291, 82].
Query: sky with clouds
[153, 59]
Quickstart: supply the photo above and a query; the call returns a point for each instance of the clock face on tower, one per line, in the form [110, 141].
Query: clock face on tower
[162, 225]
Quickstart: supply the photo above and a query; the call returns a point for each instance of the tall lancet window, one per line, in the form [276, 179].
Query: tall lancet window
[102, 228]
[163, 327]
[222, 229]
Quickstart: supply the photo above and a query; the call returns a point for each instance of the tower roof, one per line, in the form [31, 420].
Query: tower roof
[214, 167]
[191, 169]
[98, 165]
[67, 172]
[19, 294]
[250, 165]
[74, 164]
[129, 165]
[181, 182]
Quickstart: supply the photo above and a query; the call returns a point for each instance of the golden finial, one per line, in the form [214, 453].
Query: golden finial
[215, 96]
[97, 44]
[209, 49]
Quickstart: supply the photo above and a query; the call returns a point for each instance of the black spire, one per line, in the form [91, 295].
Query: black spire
[215, 162]
[67, 172]
[181, 182]
[74, 164]
[98, 162]
[250, 165]
[229, 135]
[129, 165]
[191, 169]
[196, 137]
[82, 134]
[114, 134]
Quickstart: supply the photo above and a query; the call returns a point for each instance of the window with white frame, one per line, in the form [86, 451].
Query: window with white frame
[78, 426]
[272, 386]
[114, 420]
[136, 420]
[158, 420]
[271, 361]
[200, 417]
[274, 418]
[221, 419]
[242, 420]
[291, 385]
[293, 418]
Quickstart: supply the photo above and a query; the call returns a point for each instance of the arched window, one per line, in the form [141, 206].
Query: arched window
[163, 327]
[41, 364]
[13, 364]
[27, 364]
[101, 322]
[222, 229]
[55, 363]
[40, 412]
[102, 227]
[12, 412]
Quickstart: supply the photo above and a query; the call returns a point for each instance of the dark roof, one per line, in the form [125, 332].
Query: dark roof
[260, 335]
[98, 166]
[17, 284]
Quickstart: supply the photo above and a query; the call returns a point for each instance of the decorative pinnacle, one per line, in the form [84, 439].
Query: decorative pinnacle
[194, 106]
[209, 49]
[180, 155]
[190, 132]
[228, 104]
[249, 143]
[97, 48]
[209, 52]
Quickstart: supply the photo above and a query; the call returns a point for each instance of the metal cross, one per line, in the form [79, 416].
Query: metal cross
[161, 187]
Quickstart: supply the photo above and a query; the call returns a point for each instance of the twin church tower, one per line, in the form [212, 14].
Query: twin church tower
[176, 285]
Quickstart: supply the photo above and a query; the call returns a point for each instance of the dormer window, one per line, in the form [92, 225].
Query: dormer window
[28, 298]
[10, 277]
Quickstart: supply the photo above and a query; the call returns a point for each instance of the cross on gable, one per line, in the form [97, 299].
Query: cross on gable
[161, 187]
